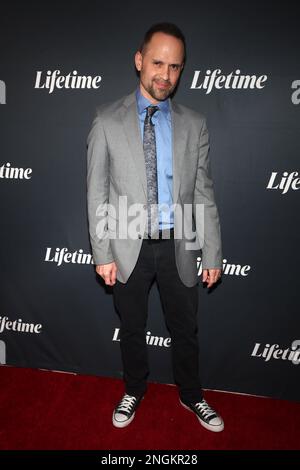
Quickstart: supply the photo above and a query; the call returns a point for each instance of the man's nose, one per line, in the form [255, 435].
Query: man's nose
[165, 73]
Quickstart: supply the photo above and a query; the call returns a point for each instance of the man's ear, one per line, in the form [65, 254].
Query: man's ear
[138, 58]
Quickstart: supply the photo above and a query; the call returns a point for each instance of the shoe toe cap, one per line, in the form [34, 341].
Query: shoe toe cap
[120, 417]
[217, 421]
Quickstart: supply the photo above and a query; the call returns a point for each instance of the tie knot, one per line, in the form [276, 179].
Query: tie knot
[151, 110]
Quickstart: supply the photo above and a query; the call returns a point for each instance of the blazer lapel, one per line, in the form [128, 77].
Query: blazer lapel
[129, 117]
[179, 140]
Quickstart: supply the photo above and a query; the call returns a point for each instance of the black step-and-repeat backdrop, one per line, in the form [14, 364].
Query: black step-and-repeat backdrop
[58, 63]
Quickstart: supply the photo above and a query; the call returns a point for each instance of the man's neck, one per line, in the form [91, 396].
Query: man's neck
[147, 96]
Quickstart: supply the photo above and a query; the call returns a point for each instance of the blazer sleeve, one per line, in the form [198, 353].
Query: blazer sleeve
[98, 192]
[207, 224]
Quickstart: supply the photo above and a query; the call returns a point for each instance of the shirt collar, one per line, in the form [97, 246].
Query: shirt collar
[143, 102]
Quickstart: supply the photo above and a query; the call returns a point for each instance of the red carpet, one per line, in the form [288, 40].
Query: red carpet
[48, 410]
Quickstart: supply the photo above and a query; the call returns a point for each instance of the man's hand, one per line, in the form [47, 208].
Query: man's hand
[211, 276]
[108, 272]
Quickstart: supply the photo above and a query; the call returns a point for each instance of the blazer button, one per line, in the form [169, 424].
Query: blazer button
[140, 236]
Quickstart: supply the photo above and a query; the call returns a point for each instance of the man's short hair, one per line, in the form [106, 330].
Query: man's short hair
[167, 28]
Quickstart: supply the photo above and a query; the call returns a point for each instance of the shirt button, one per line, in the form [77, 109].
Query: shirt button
[145, 206]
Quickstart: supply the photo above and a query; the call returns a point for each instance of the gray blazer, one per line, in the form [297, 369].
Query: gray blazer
[116, 167]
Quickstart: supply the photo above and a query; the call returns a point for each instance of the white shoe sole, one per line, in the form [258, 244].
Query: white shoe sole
[203, 423]
[122, 424]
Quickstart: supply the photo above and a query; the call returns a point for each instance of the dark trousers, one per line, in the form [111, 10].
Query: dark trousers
[180, 305]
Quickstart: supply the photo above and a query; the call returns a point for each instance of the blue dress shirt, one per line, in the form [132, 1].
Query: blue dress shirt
[163, 136]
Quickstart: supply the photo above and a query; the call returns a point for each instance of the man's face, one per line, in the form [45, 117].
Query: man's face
[160, 66]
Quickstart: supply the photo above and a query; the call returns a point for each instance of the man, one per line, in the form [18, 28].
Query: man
[154, 152]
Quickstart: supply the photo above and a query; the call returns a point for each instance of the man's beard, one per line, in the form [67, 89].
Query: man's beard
[159, 94]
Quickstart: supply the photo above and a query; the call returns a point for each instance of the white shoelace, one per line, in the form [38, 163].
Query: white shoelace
[126, 403]
[205, 409]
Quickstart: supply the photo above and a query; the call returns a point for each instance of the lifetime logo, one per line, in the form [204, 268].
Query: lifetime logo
[54, 80]
[285, 182]
[234, 80]
[2, 92]
[228, 268]
[2, 352]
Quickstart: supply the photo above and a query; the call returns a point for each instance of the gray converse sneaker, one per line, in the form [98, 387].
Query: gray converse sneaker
[207, 416]
[125, 410]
